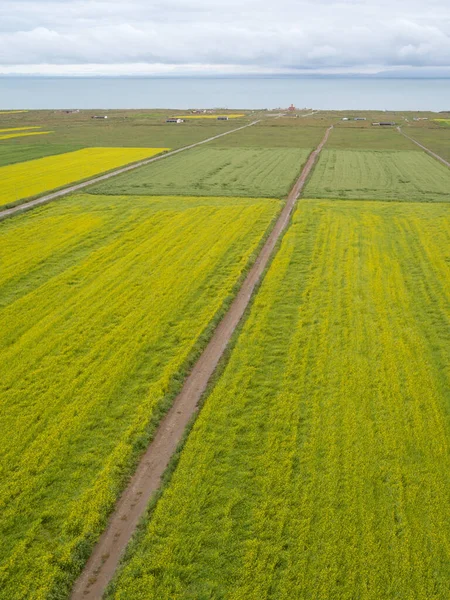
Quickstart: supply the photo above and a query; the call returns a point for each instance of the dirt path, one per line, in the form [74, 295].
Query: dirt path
[427, 150]
[9, 212]
[105, 558]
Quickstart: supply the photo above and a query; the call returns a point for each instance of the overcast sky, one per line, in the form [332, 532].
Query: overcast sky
[223, 36]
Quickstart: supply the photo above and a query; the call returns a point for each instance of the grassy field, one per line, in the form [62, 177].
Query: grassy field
[17, 134]
[14, 153]
[437, 140]
[122, 129]
[318, 467]
[11, 112]
[103, 306]
[267, 136]
[375, 138]
[13, 129]
[379, 175]
[208, 171]
[27, 179]
[214, 116]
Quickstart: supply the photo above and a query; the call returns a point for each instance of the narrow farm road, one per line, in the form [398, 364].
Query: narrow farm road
[427, 150]
[106, 555]
[9, 212]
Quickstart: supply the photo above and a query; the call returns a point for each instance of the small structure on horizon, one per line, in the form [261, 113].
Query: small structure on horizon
[222, 118]
[292, 108]
[99, 117]
[174, 120]
[384, 124]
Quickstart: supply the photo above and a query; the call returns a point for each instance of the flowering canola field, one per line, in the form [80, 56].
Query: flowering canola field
[33, 177]
[8, 136]
[12, 112]
[8, 129]
[103, 307]
[318, 467]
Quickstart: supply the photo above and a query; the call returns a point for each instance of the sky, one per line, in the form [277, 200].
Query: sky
[172, 37]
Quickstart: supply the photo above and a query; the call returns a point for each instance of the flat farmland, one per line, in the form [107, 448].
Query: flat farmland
[379, 175]
[21, 134]
[14, 153]
[437, 140]
[121, 128]
[27, 179]
[373, 138]
[273, 136]
[318, 467]
[104, 305]
[211, 171]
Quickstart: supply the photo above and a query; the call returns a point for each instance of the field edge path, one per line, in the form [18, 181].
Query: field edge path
[19, 208]
[427, 150]
[106, 555]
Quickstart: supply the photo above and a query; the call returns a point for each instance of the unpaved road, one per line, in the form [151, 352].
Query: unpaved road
[427, 150]
[9, 212]
[105, 558]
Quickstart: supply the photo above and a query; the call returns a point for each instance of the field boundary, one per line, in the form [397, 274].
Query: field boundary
[146, 480]
[427, 150]
[25, 206]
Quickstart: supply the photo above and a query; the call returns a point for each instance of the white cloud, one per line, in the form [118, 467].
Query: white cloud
[255, 35]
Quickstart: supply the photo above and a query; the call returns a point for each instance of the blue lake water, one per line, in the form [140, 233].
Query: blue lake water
[239, 92]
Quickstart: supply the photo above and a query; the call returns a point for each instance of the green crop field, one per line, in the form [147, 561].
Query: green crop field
[437, 140]
[374, 138]
[318, 467]
[104, 304]
[15, 153]
[265, 135]
[79, 130]
[207, 171]
[379, 175]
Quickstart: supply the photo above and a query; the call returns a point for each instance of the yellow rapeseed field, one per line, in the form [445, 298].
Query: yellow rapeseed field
[104, 303]
[9, 136]
[318, 468]
[30, 178]
[8, 129]
[12, 112]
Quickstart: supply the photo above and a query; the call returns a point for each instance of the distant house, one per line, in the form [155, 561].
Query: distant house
[292, 108]
[345, 118]
[99, 117]
[384, 124]
[360, 119]
[174, 120]
[222, 118]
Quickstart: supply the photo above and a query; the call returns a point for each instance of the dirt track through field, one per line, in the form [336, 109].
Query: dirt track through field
[9, 212]
[427, 150]
[106, 555]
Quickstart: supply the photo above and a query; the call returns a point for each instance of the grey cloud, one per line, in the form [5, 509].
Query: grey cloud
[258, 34]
